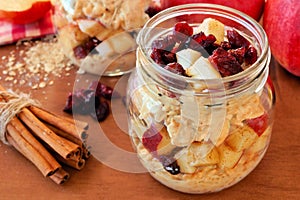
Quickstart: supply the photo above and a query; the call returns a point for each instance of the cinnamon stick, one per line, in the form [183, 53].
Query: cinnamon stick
[46, 139]
[60, 145]
[86, 152]
[60, 176]
[26, 135]
[74, 163]
[80, 124]
[15, 139]
[82, 144]
[65, 135]
[56, 121]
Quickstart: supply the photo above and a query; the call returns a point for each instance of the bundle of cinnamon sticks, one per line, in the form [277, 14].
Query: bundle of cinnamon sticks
[49, 141]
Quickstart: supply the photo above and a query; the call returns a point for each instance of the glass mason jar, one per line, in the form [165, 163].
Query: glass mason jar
[200, 135]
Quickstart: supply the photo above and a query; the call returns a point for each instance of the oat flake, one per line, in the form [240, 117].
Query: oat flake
[35, 63]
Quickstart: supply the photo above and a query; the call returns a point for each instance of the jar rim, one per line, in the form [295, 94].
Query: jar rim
[221, 11]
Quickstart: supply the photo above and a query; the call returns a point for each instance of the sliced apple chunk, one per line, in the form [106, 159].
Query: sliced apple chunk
[187, 57]
[228, 157]
[214, 27]
[203, 69]
[183, 162]
[261, 143]
[90, 27]
[165, 146]
[122, 43]
[241, 138]
[203, 154]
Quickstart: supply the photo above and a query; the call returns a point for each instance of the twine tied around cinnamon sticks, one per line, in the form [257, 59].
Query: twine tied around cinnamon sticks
[46, 139]
[11, 108]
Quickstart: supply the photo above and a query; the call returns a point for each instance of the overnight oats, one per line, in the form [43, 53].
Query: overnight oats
[84, 24]
[200, 103]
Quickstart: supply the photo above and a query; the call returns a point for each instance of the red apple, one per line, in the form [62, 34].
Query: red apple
[23, 11]
[253, 8]
[282, 25]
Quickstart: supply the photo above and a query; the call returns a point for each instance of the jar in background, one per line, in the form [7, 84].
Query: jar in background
[99, 36]
[200, 135]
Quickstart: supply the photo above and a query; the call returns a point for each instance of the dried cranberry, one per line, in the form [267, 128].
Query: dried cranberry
[225, 62]
[91, 44]
[204, 40]
[106, 91]
[250, 55]
[169, 57]
[89, 102]
[202, 43]
[101, 112]
[82, 102]
[103, 90]
[69, 104]
[225, 45]
[176, 68]
[166, 43]
[80, 52]
[239, 54]
[94, 85]
[210, 49]
[163, 57]
[236, 40]
[182, 30]
[152, 10]
[170, 165]
[151, 139]
[156, 55]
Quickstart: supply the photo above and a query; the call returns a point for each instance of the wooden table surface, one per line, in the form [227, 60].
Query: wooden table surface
[276, 177]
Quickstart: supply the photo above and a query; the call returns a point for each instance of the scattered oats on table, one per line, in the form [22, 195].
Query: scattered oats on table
[35, 63]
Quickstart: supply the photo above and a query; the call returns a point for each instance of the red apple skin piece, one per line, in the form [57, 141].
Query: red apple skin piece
[282, 25]
[35, 12]
[253, 8]
[259, 124]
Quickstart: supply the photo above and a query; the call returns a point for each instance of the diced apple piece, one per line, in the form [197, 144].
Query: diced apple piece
[187, 57]
[203, 69]
[90, 27]
[242, 138]
[261, 143]
[203, 154]
[165, 147]
[104, 34]
[70, 37]
[181, 131]
[122, 43]
[184, 165]
[228, 157]
[214, 27]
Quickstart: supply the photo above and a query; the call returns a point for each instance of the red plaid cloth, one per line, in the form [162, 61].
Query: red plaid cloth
[10, 33]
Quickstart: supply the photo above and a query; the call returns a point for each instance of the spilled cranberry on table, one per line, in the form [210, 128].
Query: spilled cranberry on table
[93, 101]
